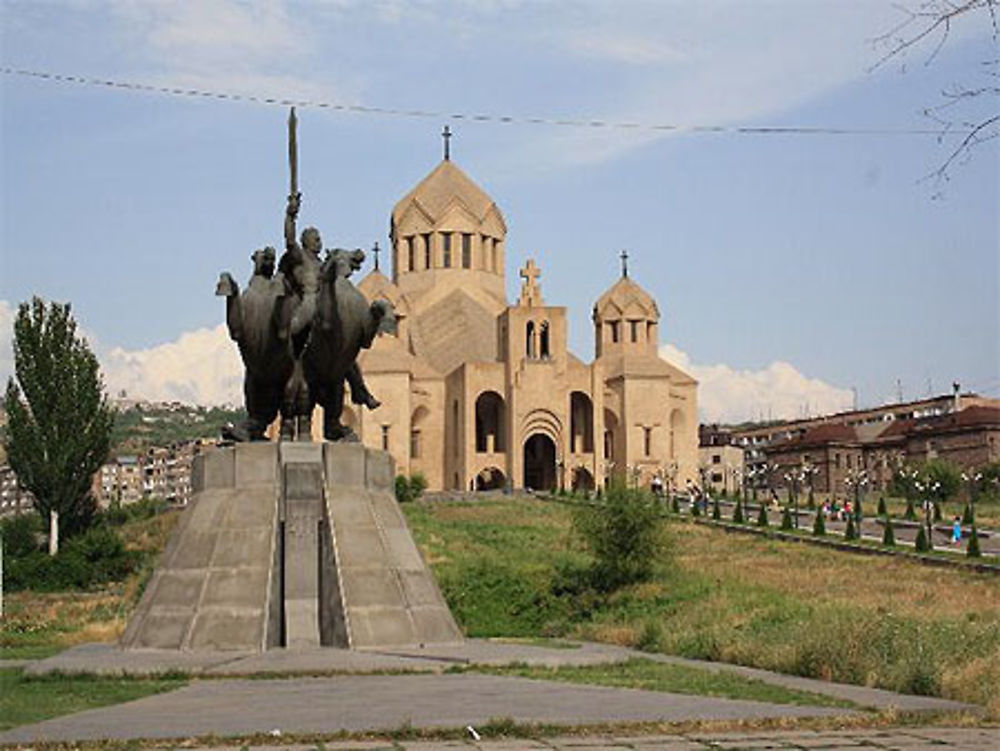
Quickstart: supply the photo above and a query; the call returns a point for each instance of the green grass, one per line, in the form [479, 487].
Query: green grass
[26, 700]
[511, 567]
[649, 675]
[29, 651]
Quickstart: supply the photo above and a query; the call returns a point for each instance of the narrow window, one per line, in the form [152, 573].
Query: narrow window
[614, 331]
[446, 249]
[496, 255]
[647, 440]
[414, 444]
[385, 437]
[529, 339]
[410, 254]
[543, 335]
[454, 420]
[466, 250]
[634, 325]
[428, 255]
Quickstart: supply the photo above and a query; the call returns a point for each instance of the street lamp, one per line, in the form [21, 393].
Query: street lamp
[973, 480]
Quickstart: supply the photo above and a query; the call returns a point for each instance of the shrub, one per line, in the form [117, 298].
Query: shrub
[786, 519]
[967, 516]
[21, 534]
[716, 510]
[910, 514]
[85, 561]
[738, 513]
[851, 533]
[858, 513]
[410, 489]
[882, 510]
[819, 524]
[696, 508]
[403, 489]
[888, 534]
[675, 504]
[937, 511]
[972, 549]
[762, 516]
[922, 544]
[625, 536]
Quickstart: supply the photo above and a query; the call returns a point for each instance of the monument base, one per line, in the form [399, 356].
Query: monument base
[291, 545]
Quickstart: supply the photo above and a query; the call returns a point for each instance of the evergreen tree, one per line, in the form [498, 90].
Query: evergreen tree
[738, 513]
[967, 517]
[762, 516]
[888, 535]
[851, 533]
[819, 524]
[910, 514]
[882, 510]
[696, 508]
[972, 549]
[716, 510]
[922, 545]
[675, 505]
[858, 513]
[937, 511]
[59, 422]
[786, 519]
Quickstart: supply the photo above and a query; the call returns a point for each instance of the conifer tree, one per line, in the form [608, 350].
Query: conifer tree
[851, 533]
[786, 519]
[716, 510]
[910, 514]
[972, 548]
[882, 510]
[762, 516]
[819, 524]
[888, 534]
[738, 513]
[922, 545]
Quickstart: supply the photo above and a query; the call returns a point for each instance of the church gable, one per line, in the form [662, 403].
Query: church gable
[454, 330]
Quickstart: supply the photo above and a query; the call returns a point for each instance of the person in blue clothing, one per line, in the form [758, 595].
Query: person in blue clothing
[956, 531]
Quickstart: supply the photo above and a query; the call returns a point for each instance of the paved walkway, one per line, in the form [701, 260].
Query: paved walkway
[916, 739]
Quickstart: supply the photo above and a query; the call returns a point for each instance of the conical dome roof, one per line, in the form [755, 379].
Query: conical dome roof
[446, 185]
[625, 296]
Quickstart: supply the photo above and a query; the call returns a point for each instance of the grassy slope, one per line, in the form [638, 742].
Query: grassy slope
[507, 568]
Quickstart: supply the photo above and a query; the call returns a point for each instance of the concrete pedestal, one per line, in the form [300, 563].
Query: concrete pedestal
[291, 545]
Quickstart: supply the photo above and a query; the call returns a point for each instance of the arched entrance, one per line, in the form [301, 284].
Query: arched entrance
[490, 478]
[489, 423]
[539, 463]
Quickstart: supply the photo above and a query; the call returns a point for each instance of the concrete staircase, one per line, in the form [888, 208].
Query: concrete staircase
[293, 545]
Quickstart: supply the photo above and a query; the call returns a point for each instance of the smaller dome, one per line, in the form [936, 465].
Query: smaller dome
[445, 185]
[626, 297]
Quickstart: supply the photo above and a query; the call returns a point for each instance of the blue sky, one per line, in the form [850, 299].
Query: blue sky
[789, 268]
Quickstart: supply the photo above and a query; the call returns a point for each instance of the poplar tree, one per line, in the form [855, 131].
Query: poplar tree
[58, 419]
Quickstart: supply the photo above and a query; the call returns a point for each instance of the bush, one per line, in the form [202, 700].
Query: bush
[738, 513]
[675, 504]
[410, 489]
[85, 561]
[22, 535]
[625, 536]
[922, 544]
[851, 533]
[972, 549]
[882, 510]
[888, 534]
[910, 514]
[696, 508]
[762, 516]
[786, 519]
[716, 510]
[967, 516]
[858, 513]
[819, 524]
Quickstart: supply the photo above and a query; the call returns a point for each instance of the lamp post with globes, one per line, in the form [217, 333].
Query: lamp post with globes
[973, 480]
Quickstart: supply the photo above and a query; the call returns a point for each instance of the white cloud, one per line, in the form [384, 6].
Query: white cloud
[778, 391]
[200, 367]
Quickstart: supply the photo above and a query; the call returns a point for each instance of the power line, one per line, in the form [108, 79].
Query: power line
[584, 122]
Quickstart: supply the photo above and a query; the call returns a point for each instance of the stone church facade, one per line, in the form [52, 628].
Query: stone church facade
[480, 394]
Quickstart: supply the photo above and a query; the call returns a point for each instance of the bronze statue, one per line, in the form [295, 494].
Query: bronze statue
[300, 331]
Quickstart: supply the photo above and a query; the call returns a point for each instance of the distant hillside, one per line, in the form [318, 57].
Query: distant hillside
[143, 425]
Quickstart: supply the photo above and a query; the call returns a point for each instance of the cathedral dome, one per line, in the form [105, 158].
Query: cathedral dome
[446, 186]
[627, 298]
[626, 320]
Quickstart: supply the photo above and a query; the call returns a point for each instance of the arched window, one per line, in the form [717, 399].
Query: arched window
[529, 339]
[489, 423]
[410, 254]
[543, 335]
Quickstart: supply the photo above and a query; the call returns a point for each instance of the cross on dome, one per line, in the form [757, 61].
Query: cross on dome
[531, 293]
[446, 134]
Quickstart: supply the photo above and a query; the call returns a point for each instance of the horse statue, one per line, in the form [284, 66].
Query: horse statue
[258, 321]
[344, 324]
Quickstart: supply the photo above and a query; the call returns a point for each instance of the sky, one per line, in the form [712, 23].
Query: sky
[796, 273]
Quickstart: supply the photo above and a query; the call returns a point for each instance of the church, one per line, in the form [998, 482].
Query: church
[480, 394]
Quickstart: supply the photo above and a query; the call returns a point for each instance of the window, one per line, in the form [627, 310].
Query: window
[716, 459]
[529, 339]
[466, 250]
[543, 335]
[716, 477]
[410, 255]
[428, 255]
[385, 437]
[614, 331]
[446, 249]
[634, 326]
[496, 256]
[647, 440]
[414, 444]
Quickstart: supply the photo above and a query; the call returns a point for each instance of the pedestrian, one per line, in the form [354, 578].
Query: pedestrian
[956, 531]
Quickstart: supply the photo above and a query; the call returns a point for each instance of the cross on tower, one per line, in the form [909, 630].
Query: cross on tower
[624, 257]
[530, 292]
[446, 135]
[376, 250]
